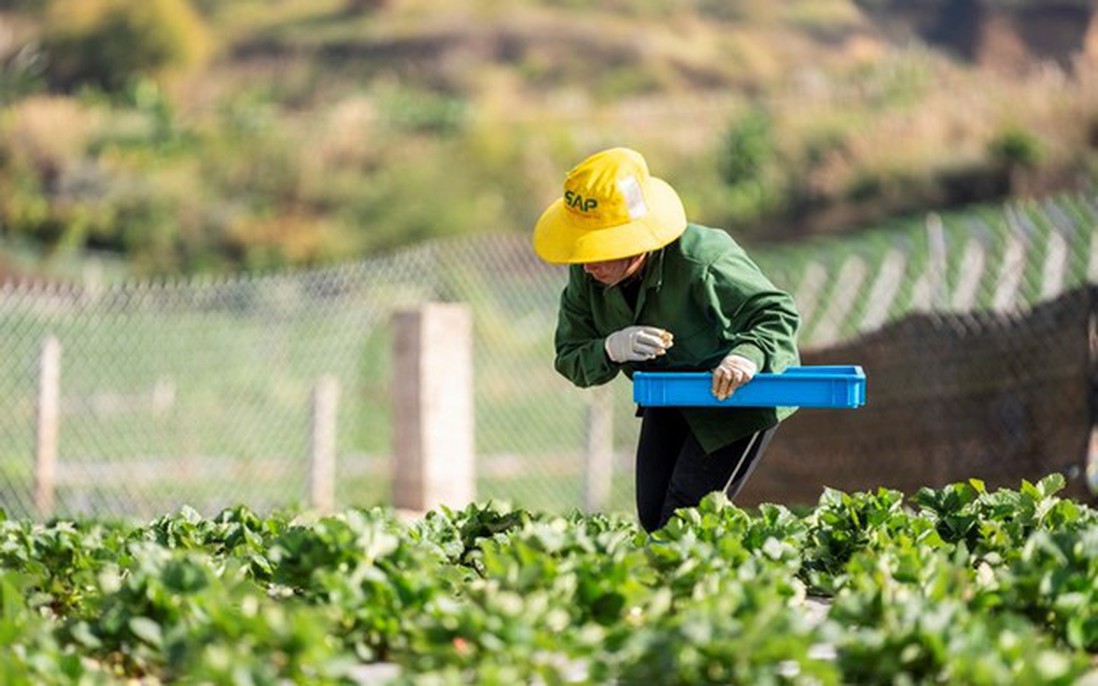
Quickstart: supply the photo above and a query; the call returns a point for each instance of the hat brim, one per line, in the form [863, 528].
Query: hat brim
[559, 241]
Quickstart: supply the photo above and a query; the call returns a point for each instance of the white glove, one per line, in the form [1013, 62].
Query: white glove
[637, 343]
[733, 372]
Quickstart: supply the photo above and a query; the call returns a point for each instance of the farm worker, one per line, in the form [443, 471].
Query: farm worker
[648, 291]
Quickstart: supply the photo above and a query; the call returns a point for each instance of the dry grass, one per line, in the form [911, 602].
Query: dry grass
[48, 132]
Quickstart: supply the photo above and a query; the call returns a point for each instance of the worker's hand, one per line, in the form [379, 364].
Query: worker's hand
[637, 343]
[733, 372]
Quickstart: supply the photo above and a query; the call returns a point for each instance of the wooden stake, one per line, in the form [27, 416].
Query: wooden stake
[599, 458]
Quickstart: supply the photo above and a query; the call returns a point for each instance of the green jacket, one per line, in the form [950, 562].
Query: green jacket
[705, 290]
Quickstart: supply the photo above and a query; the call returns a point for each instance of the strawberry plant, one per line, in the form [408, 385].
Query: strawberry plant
[952, 585]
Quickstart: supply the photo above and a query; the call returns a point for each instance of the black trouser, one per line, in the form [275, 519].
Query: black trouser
[674, 471]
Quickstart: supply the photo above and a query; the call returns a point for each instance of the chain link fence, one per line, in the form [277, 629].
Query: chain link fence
[197, 391]
[976, 332]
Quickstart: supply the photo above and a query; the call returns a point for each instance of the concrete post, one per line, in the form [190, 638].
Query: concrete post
[48, 425]
[432, 390]
[322, 445]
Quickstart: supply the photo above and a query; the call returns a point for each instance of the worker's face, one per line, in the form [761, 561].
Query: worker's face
[611, 272]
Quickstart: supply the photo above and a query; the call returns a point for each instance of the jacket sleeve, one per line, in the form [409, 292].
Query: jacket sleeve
[581, 357]
[757, 320]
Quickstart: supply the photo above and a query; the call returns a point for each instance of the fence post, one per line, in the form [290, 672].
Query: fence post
[432, 386]
[48, 425]
[322, 444]
[599, 457]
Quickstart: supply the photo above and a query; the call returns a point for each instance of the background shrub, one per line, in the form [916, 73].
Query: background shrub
[108, 44]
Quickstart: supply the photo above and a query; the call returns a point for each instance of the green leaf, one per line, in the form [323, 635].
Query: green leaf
[83, 635]
[147, 630]
[1051, 484]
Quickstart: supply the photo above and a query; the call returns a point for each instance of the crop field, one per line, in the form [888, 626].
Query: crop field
[956, 585]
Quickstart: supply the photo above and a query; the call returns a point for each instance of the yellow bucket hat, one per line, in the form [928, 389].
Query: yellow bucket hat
[611, 208]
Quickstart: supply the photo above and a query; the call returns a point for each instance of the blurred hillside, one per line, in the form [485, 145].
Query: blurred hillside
[197, 135]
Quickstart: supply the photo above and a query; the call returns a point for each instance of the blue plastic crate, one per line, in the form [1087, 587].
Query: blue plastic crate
[810, 386]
